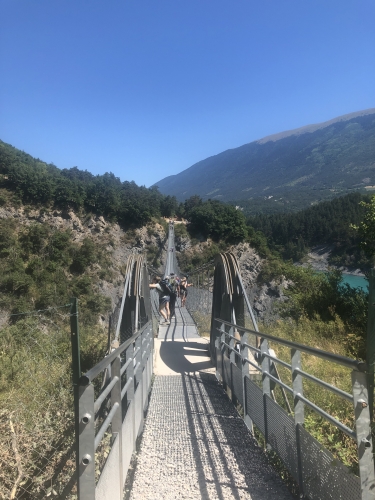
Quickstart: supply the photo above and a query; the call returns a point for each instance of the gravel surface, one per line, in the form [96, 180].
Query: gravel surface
[196, 446]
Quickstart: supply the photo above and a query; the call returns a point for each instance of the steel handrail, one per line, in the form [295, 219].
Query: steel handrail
[309, 403]
[321, 412]
[278, 381]
[99, 401]
[90, 375]
[257, 367]
[354, 364]
[105, 425]
[330, 387]
[126, 285]
[326, 385]
[255, 349]
[280, 361]
[329, 417]
[232, 349]
[277, 360]
[126, 387]
[123, 368]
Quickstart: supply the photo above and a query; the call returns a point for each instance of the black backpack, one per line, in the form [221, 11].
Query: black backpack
[165, 287]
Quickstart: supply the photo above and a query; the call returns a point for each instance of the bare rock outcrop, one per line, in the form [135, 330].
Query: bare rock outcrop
[250, 264]
[264, 297]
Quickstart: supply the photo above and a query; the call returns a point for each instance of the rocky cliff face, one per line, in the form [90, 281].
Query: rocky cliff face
[263, 297]
[182, 243]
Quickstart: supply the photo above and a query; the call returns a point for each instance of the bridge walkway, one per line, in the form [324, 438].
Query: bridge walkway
[195, 445]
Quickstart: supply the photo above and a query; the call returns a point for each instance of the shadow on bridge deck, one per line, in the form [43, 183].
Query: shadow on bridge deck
[173, 357]
[179, 348]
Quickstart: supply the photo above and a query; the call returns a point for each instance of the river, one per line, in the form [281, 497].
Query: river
[355, 281]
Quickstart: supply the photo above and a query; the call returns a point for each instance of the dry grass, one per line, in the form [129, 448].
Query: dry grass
[37, 459]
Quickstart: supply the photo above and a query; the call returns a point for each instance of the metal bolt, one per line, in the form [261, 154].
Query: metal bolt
[86, 418]
[366, 442]
[363, 403]
[86, 460]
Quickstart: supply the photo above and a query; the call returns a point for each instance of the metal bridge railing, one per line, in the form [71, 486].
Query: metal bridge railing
[199, 299]
[110, 423]
[318, 473]
[171, 261]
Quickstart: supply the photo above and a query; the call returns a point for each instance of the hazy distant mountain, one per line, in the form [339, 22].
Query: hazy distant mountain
[290, 169]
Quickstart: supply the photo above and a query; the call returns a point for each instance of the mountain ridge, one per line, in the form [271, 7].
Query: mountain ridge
[321, 160]
[314, 126]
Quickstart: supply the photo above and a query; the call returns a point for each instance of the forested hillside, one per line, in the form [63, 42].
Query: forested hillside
[326, 223]
[34, 181]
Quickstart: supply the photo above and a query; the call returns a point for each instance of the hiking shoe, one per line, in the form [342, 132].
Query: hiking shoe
[167, 322]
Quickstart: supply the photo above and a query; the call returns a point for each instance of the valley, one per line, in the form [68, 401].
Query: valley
[67, 233]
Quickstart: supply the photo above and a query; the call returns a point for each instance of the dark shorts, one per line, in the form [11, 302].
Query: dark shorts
[163, 300]
[183, 292]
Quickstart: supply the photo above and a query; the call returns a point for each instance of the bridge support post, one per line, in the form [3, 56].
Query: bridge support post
[77, 390]
[130, 392]
[86, 444]
[245, 373]
[149, 369]
[363, 431]
[145, 350]
[266, 383]
[117, 419]
[152, 354]
[299, 410]
[233, 359]
[217, 358]
[139, 382]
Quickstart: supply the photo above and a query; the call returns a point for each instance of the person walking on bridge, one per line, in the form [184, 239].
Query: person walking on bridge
[173, 283]
[183, 290]
[164, 298]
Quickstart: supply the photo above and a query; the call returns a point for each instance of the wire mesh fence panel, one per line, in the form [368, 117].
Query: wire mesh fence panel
[37, 458]
[246, 320]
[199, 304]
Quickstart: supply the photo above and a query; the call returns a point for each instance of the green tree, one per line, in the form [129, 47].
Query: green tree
[366, 228]
[218, 221]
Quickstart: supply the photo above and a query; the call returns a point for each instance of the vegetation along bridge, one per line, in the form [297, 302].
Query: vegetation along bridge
[212, 403]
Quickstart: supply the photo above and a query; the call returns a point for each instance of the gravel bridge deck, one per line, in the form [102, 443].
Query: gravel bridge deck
[195, 445]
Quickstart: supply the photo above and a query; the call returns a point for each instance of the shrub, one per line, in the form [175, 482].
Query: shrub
[84, 256]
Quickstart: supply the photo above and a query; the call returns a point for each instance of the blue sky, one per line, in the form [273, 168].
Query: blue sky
[146, 88]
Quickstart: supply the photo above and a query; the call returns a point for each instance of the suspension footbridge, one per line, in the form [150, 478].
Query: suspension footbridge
[182, 415]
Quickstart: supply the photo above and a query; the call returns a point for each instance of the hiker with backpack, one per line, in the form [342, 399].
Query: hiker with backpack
[173, 285]
[162, 287]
